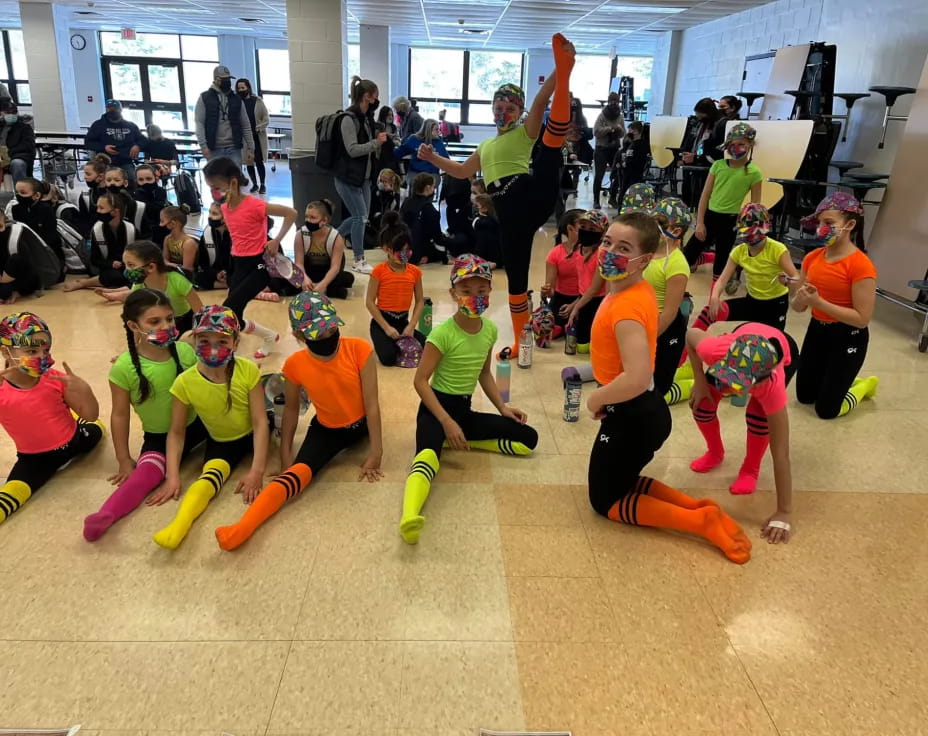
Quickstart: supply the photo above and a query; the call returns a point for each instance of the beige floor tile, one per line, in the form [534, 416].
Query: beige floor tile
[536, 505]
[449, 685]
[547, 551]
[173, 686]
[551, 469]
[339, 685]
[457, 607]
[454, 549]
[562, 610]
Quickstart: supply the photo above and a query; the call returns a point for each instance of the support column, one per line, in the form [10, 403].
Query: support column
[375, 58]
[51, 72]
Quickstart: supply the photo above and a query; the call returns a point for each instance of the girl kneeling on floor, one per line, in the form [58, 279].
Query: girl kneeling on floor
[339, 375]
[227, 395]
[635, 419]
[457, 355]
[141, 378]
[50, 416]
[395, 285]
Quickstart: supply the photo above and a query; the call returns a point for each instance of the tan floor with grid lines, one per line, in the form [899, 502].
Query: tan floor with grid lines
[519, 608]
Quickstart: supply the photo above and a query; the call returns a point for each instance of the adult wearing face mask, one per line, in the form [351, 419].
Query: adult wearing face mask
[729, 109]
[609, 129]
[411, 119]
[19, 138]
[118, 138]
[695, 149]
[258, 119]
[223, 127]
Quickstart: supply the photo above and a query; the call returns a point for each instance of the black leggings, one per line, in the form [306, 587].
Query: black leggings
[584, 321]
[628, 437]
[720, 231]
[831, 357]
[232, 452]
[112, 278]
[523, 204]
[249, 278]
[558, 301]
[430, 435]
[770, 312]
[384, 345]
[602, 157]
[259, 161]
[669, 346]
[194, 436]
[339, 286]
[323, 443]
[36, 469]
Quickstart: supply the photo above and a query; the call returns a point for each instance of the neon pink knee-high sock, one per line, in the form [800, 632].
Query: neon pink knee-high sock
[148, 473]
[758, 440]
[707, 420]
[703, 321]
[704, 258]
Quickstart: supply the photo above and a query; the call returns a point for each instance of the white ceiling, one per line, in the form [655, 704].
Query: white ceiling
[595, 26]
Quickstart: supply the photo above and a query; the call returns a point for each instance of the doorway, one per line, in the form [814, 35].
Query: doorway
[150, 91]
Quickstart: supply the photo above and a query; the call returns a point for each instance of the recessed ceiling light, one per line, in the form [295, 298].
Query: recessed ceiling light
[645, 9]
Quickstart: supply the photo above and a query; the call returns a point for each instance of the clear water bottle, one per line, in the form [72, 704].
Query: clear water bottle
[504, 374]
[573, 389]
[425, 321]
[570, 340]
[526, 345]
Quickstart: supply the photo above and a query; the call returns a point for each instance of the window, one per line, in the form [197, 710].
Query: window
[274, 80]
[13, 72]
[589, 82]
[639, 68]
[158, 76]
[460, 82]
[354, 60]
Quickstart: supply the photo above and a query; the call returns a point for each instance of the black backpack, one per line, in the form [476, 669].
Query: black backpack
[329, 146]
[187, 193]
[43, 260]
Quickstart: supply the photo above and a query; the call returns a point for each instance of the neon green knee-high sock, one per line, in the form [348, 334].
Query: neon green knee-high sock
[680, 390]
[862, 388]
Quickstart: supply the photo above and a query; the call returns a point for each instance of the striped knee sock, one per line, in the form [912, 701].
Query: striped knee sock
[502, 446]
[559, 118]
[195, 500]
[285, 486]
[518, 313]
[13, 495]
[148, 474]
[758, 440]
[418, 484]
[707, 420]
[679, 391]
[862, 388]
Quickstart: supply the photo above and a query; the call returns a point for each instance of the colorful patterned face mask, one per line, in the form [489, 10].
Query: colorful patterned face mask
[403, 255]
[751, 235]
[738, 151]
[613, 266]
[162, 338]
[214, 357]
[505, 121]
[36, 365]
[473, 306]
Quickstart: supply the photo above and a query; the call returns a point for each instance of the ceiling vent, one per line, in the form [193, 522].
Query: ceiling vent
[474, 31]
[85, 12]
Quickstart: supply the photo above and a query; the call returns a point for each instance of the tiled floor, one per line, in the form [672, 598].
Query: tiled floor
[520, 607]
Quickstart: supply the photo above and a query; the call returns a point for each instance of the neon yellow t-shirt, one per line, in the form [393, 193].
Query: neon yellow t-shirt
[661, 269]
[210, 399]
[762, 270]
[505, 155]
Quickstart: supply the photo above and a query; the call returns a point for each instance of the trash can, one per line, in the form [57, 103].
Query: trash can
[310, 183]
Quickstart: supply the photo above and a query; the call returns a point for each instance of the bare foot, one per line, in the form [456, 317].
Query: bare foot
[73, 285]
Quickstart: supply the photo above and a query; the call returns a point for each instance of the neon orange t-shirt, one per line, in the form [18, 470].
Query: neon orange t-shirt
[334, 386]
[835, 281]
[396, 290]
[637, 303]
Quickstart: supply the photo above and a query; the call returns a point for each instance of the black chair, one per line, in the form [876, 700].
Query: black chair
[844, 166]
[860, 188]
[864, 176]
[750, 97]
[801, 109]
[891, 94]
[849, 99]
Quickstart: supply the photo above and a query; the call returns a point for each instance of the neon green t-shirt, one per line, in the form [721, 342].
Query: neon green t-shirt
[762, 270]
[155, 412]
[462, 356]
[505, 155]
[209, 399]
[177, 289]
[732, 185]
[661, 269]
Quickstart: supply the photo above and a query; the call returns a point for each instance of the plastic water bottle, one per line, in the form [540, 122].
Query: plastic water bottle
[504, 374]
[573, 388]
[526, 345]
[425, 321]
[570, 341]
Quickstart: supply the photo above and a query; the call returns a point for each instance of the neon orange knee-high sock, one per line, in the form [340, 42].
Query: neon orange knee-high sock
[285, 486]
[640, 510]
[518, 313]
[661, 491]
[559, 118]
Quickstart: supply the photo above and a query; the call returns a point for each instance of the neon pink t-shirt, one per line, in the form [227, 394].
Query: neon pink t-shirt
[586, 270]
[247, 225]
[566, 269]
[37, 419]
[771, 392]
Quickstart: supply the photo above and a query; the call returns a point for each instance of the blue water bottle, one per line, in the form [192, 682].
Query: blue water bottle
[504, 374]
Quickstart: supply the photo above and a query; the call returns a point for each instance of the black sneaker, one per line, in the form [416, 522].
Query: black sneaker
[254, 188]
[262, 189]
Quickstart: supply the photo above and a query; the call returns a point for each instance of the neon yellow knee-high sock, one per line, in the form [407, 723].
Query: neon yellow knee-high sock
[194, 502]
[503, 447]
[13, 495]
[862, 388]
[418, 484]
[680, 390]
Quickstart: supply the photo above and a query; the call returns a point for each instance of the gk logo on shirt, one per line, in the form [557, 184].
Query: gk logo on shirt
[604, 438]
[851, 351]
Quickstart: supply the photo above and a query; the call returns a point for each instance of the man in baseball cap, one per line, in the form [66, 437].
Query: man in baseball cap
[223, 127]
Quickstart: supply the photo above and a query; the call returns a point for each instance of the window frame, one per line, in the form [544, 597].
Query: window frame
[261, 91]
[11, 81]
[466, 101]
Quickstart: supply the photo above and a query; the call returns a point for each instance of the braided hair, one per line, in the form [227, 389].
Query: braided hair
[136, 304]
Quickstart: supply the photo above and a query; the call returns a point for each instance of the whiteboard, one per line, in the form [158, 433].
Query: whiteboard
[757, 73]
[788, 67]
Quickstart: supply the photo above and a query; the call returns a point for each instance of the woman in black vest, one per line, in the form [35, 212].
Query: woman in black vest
[259, 120]
[354, 170]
